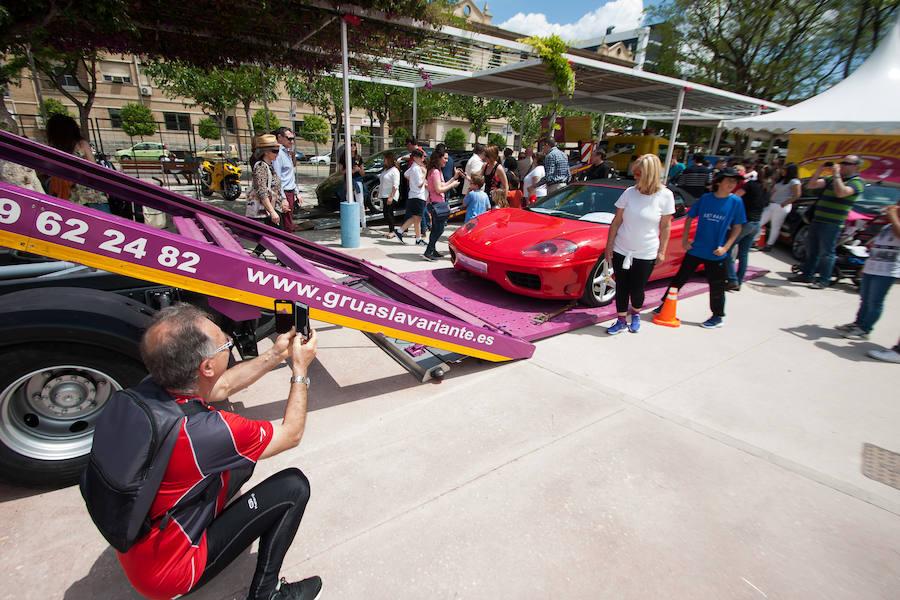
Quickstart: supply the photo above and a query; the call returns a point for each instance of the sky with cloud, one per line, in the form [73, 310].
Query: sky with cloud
[572, 21]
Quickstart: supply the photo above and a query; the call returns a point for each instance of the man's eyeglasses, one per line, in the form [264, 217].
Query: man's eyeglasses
[290, 139]
[226, 346]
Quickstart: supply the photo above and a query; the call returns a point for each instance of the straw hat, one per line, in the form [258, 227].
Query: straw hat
[267, 141]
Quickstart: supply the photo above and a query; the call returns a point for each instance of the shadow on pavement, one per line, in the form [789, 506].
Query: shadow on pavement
[820, 336]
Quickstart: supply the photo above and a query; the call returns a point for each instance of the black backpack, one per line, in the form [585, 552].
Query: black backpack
[133, 440]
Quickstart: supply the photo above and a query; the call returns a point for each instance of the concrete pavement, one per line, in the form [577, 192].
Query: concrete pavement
[676, 463]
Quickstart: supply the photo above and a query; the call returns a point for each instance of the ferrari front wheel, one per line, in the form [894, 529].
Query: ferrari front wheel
[600, 288]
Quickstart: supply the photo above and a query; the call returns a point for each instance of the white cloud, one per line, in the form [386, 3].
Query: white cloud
[624, 14]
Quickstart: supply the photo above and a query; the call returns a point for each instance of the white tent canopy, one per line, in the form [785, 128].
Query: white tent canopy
[866, 102]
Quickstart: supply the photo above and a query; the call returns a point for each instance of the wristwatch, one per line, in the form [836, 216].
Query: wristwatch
[300, 379]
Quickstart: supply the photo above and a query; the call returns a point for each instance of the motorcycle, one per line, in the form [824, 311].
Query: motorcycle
[850, 254]
[220, 175]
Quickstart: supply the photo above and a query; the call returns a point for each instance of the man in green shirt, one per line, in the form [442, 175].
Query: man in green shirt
[840, 191]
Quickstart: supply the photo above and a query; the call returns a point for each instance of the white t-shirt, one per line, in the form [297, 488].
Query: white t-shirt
[639, 233]
[473, 166]
[533, 177]
[781, 192]
[387, 181]
[884, 255]
[416, 177]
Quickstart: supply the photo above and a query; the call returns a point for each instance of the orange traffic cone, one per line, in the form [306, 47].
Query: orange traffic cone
[667, 315]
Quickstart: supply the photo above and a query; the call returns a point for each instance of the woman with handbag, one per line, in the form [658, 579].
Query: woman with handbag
[437, 206]
[265, 187]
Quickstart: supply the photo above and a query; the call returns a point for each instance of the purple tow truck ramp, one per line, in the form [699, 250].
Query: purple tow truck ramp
[208, 255]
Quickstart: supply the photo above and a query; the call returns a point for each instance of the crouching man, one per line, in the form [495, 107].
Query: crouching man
[187, 355]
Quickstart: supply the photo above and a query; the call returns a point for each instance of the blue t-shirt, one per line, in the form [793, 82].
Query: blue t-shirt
[715, 216]
[476, 202]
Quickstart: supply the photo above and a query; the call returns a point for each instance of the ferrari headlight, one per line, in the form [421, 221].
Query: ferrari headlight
[551, 248]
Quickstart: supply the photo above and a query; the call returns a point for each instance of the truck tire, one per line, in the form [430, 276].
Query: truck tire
[63, 352]
[50, 397]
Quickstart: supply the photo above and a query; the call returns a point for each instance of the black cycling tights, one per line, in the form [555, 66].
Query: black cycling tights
[271, 511]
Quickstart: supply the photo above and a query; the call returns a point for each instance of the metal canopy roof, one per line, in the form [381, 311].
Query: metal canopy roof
[600, 86]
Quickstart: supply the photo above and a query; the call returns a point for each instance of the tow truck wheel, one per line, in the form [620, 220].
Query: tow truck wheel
[600, 288]
[50, 397]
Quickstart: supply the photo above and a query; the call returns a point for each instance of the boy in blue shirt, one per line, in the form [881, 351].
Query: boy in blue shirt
[476, 201]
[719, 216]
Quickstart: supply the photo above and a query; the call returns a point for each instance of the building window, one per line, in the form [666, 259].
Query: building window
[177, 121]
[115, 118]
[229, 124]
[117, 78]
[69, 81]
[298, 127]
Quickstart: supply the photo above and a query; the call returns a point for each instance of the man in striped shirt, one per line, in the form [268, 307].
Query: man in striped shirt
[839, 192]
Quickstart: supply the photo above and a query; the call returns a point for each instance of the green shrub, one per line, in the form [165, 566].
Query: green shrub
[314, 129]
[400, 135]
[259, 122]
[208, 129]
[497, 140]
[52, 106]
[137, 120]
[455, 139]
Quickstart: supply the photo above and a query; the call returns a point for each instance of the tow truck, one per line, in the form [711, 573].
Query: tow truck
[77, 287]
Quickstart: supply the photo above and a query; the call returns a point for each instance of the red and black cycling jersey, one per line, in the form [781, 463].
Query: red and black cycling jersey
[168, 562]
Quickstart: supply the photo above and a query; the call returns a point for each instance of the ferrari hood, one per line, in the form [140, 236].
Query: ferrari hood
[514, 229]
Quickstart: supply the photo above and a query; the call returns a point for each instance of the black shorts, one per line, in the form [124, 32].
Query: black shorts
[415, 207]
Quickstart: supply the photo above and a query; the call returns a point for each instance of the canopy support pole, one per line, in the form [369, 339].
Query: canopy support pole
[602, 126]
[714, 148]
[348, 164]
[415, 132]
[673, 136]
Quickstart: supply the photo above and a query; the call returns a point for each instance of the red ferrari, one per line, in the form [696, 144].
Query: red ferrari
[554, 248]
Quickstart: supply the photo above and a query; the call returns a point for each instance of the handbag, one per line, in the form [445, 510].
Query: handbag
[440, 210]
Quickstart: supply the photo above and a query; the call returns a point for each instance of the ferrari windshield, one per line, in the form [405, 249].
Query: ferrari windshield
[596, 203]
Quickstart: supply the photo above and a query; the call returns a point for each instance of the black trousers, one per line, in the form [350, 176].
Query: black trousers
[715, 276]
[630, 283]
[270, 512]
[388, 212]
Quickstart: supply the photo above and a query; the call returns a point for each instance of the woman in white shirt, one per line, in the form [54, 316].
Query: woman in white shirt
[784, 193]
[388, 186]
[638, 237]
[532, 191]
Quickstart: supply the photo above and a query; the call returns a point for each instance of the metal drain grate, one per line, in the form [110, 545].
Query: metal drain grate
[881, 465]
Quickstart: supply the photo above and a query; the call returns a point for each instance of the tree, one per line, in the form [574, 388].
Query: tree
[532, 127]
[208, 129]
[455, 139]
[478, 111]
[212, 90]
[497, 140]
[260, 124]
[315, 130]
[137, 119]
[52, 106]
[74, 75]
[781, 51]
[252, 84]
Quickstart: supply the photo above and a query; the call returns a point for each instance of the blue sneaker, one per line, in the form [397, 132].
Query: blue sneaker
[618, 327]
[635, 323]
[712, 322]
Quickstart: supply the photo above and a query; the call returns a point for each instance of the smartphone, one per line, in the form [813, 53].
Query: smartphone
[284, 316]
[301, 319]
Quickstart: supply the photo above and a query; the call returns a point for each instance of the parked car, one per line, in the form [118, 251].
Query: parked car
[876, 196]
[326, 192]
[554, 249]
[321, 159]
[218, 151]
[299, 156]
[143, 151]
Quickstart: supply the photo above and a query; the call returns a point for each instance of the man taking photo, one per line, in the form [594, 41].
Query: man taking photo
[187, 356]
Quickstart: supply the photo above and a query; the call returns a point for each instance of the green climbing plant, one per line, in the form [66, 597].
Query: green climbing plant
[562, 78]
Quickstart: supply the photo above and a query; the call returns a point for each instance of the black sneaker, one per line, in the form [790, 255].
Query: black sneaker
[421, 241]
[308, 589]
[800, 278]
[732, 286]
[399, 235]
[437, 254]
[766, 249]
